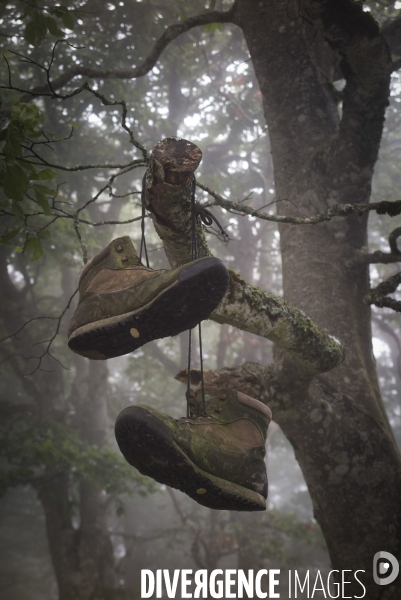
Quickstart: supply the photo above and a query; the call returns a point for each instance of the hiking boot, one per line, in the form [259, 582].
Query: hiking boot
[216, 458]
[123, 305]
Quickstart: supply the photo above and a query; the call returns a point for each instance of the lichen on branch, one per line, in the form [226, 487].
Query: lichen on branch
[168, 191]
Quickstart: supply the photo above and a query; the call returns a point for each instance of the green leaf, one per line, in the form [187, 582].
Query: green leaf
[44, 174]
[14, 139]
[10, 234]
[30, 33]
[44, 234]
[68, 21]
[43, 202]
[25, 114]
[34, 244]
[74, 124]
[43, 189]
[53, 28]
[31, 170]
[35, 31]
[17, 210]
[15, 182]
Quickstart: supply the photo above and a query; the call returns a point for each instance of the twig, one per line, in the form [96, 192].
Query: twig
[379, 295]
[49, 341]
[338, 210]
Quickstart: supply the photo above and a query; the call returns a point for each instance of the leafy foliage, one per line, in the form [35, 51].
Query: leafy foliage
[37, 450]
[39, 22]
[18, 176]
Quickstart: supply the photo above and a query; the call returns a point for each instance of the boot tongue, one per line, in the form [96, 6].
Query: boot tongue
[119, 254]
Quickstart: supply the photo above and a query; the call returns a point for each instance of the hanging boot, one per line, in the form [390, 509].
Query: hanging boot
[216, 458]
[123, 305]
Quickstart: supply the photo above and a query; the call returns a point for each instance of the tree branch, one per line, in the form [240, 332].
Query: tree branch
[385, 257]
[338, 210]
[391, 30]
[379, 257]
[366, 65]
[379, 295]
[169, 35]
[168, 191]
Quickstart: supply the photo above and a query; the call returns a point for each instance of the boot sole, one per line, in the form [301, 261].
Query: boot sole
[197, 292]
[148, 445]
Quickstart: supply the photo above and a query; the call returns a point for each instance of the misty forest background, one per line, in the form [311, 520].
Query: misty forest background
[203, 89]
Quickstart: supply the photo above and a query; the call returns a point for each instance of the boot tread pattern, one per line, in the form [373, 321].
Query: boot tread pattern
[147, 445]
[180, 307]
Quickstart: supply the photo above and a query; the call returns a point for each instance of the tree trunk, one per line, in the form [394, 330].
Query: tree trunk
[82, 556]
[336, 424]
[339, 430]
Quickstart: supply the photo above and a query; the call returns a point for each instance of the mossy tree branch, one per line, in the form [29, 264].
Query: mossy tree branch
[247, 307]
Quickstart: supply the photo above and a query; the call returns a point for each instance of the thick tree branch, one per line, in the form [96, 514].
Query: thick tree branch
[249, 308]
[273, 385]
[392, 33]
[366, 65]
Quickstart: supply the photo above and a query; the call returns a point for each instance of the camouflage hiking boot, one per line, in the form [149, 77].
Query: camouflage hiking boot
[123, 305]
[217, 459]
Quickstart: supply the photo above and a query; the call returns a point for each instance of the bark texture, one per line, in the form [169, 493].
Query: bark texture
[336, 423]
[168, 194]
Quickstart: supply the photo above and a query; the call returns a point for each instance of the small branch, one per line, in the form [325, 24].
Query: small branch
[65, 215]
[385, 257]
[392, 240]
[379, 295]
[338, 210]
[84, 247]
[379, 257]
[45, 163]
[107, 186]
[49, 341]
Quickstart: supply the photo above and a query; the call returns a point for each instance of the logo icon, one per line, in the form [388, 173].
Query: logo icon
[385, 568]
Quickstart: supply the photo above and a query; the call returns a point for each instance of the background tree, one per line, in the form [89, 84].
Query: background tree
[321, 72]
